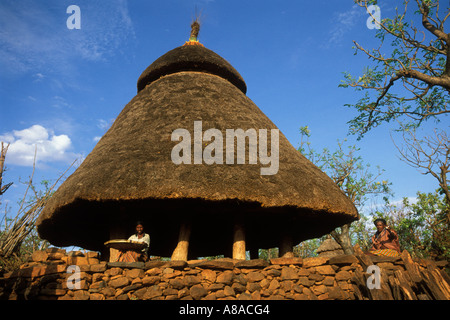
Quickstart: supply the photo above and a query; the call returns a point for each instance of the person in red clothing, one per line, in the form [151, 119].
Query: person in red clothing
[385, 241]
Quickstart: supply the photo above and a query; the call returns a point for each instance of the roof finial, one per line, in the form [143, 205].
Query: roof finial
[195, 29]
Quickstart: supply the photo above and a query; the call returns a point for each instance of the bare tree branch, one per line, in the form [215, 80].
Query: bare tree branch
[420, 60]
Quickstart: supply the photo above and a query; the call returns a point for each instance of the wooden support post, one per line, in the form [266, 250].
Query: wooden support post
[181, 251]
[286, 247]
[239, 241]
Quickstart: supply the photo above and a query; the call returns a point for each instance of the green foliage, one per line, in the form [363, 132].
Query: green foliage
[308, 248]
[415, 61]
[354, 177]
[360, 233]
[422, 225]
[347, 169]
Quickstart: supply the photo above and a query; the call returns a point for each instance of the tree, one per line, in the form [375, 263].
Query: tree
[431, 155]
[18, 236]
[420, 225]
[3, 152]
[419, 63]
[351, 174]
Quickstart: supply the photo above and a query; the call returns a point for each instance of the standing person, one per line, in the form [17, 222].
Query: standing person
[139, 236]
[385, 241]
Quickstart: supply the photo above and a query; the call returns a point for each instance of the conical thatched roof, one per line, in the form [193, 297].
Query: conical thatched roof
[329, 248]
[130, 176]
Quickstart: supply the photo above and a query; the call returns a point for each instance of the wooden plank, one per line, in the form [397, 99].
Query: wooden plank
[364, 260]
[395, 286]
[404, 285]
[357, 292]
[360, 286]
[411, 267]
[385, 290]
[445, 276]
[441, 284]
[431, 286]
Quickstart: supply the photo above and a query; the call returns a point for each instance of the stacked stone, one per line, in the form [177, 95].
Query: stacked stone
[316, 278]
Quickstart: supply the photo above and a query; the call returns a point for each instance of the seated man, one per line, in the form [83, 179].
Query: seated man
[139, 236]
[385, 241]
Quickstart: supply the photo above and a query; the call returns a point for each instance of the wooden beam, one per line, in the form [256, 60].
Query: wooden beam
[286, 247]
[181, 250]
[239, 241]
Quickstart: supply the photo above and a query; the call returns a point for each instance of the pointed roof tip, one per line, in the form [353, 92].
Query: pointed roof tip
[193, 37]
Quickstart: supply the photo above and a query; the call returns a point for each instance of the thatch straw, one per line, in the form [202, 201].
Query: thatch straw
[129, 175]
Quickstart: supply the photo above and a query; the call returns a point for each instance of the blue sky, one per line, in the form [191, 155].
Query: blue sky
[61, 89]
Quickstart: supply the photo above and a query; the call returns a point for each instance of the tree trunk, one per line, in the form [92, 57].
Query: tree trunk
[286, 247]
[181, 251]
[343, 238]
[239, 241]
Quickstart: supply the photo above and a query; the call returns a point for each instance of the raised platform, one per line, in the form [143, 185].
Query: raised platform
[342, 277]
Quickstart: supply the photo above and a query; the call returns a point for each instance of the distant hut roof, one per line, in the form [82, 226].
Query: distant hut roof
[129, 174]
[329, 247]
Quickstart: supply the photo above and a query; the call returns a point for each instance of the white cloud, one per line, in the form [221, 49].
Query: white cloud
[342, 23]
[48, 147]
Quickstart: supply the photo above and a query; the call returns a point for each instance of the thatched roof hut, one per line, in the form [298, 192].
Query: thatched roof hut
[130, 174]
[329, 248]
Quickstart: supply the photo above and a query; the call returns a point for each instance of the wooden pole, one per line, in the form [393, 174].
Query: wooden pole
[181, 251]
[239, 241]
[286, 247]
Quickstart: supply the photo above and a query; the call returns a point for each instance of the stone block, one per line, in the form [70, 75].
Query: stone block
[287, 261]
[254, 276]
[135, 273]
[152, 293]
[342, 260]
[81, 295]
[254, 263]
[176, 283]
[325, 270]
[289, 273]
[197, 292]
[99, 267]
[119, 282]
[39, 256]
[343, 276]
[226, 277]
[208, 275]
[214, 264]
[314, 261]
[150, 280]
[191, 280]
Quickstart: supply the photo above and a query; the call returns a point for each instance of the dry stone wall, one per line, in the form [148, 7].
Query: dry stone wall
[49, 276]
